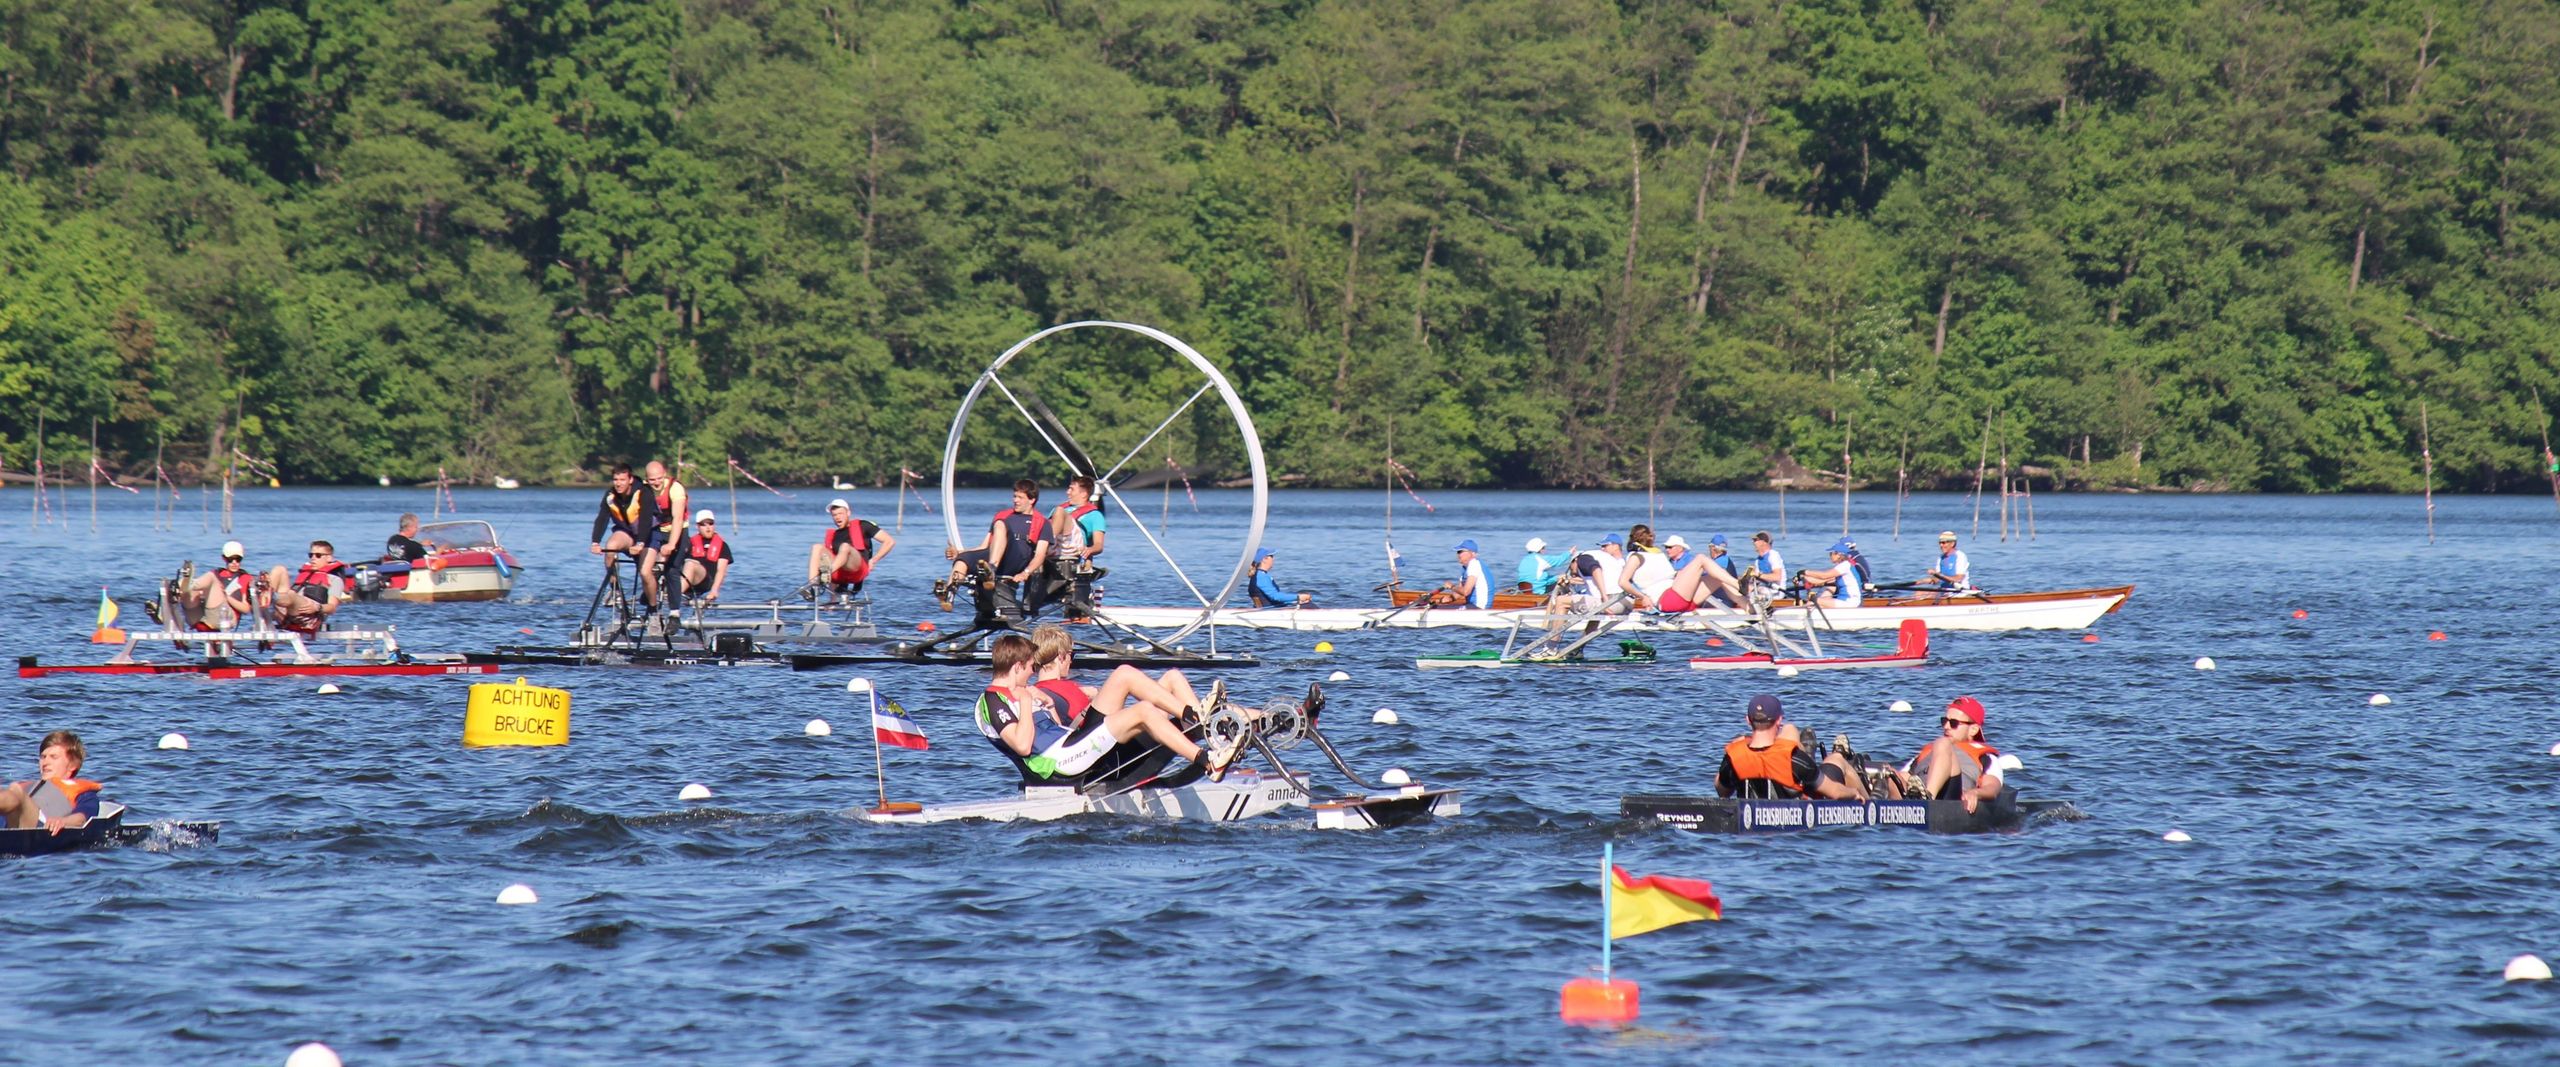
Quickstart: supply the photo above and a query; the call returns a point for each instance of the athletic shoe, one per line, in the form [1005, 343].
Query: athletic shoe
[811, 592]
[1223, 758]
[1217, 697]
[942, 593]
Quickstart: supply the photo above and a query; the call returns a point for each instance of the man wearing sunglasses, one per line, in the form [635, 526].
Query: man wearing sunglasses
[304, 600]
[1956, 765]
[1773, 761]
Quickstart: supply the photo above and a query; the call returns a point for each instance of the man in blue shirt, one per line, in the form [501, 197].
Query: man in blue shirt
[1538, 574]
[1953, 570]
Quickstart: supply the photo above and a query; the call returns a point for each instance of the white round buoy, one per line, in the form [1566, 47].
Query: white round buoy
[1395, 776]
[1899, 705]
[2204, 663]
[1387, 717]
[1787, 672]
[2528, 968]
[327, 689]
[314, 1054]
[2176, 837]
[384, 481]
[695, 791]
[2555, 749]
[1338, 676]
[857, 685]
[518, 893]
[2377, 700]
[180, 741]
[817, 728]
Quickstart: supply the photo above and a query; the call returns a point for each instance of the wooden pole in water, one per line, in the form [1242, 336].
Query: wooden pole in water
[1649, 498]
[158, 447]
[1848, 428]
[93, 475]
[2427, 459]
[35, 504]
[2004, 482]
[735, 523]
[1981, 466]
[1901, 483]
[2550, 464]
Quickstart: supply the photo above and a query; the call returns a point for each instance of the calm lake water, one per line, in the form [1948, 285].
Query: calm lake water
[2358, 874]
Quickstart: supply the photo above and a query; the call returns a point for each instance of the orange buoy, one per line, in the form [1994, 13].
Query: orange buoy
[1593, 1002]
[2088, 639]
[924, 627]
[2301, 614]
[2436, 635]
[1715, 642]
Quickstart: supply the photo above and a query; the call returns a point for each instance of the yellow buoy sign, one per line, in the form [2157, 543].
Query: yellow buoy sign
[514, 713]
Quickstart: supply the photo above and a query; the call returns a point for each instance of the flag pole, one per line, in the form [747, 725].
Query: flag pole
[879, 767]
[1608, 867]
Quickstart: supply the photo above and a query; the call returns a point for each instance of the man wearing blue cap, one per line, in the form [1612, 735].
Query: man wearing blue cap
[1470, 590]
[1839, 584]
[1266, 593]
[1720, 554]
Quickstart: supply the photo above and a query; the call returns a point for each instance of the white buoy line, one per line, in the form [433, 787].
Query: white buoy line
[1338, 676]
[518, 893]
[818, 728]
[694, 791]
[1387, 717]
[313, 1054]
[2204, 663]
[179, 741]
[2528, 968]
[2176, 837]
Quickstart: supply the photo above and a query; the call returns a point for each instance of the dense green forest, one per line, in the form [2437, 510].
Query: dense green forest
[2190, 243]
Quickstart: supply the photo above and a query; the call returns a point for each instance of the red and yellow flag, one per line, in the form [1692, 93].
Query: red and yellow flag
[1643, 905]
[107, 633]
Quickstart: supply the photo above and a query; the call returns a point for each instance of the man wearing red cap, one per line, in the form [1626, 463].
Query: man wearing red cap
[1958, 763]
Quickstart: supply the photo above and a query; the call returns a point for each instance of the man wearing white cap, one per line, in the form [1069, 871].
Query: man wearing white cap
[844, 557]
[702, 558]
[1953, 571]
[1538, 573]
[219, 599]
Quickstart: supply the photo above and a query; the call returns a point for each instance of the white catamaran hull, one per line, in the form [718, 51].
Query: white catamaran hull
[1243, 795]
[2076, 613]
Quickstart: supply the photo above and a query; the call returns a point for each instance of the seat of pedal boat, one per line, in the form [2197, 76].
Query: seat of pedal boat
[1128, 762]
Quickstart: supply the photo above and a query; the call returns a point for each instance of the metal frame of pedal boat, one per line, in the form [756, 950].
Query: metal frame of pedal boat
[1073, 454]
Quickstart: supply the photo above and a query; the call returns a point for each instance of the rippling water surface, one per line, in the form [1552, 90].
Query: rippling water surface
[2358, 875]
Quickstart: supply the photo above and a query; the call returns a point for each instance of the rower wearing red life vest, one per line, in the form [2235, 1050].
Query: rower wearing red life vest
[1775, 761]
[843, 558]
[1959, 764]
[703, 558]
[1015, 547]
[303, 600]
[59, 799]
[217, 599]
[1077, 530]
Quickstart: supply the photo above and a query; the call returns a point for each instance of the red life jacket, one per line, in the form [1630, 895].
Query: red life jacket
[313, 581]
[1075, 518]
[1070, 696]
[860, 568]
[1980, 752]
[670, 515]
[706, 551]
[1776, 763]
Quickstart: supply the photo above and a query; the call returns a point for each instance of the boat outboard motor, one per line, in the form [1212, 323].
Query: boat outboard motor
[366, 580]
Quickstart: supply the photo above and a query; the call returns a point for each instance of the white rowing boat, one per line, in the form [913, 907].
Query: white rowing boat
[2075, 609]
[1243, 794]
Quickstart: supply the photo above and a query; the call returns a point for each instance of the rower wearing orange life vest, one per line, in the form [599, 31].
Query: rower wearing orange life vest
[668, 495]
[1958, 764]
[844, 557]
[1774, 761]
[59, 799]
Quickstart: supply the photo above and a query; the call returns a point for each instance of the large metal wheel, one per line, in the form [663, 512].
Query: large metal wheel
[1189, 374]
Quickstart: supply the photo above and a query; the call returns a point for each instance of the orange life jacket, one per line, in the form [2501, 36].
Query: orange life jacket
[1776, 763]
[1980, 752]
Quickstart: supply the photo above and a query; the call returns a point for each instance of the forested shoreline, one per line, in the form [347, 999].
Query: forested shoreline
[2205, 245]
